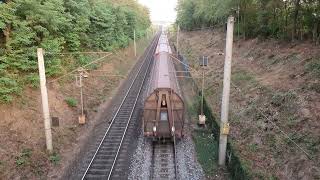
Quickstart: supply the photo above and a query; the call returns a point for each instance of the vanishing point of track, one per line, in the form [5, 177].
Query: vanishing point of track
[103, 162]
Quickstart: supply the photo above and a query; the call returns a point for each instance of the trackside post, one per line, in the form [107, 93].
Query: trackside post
[178, 31]
[44, 97]
[224, 125]
[134, 43]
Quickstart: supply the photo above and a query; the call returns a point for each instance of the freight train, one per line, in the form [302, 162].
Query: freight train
[163, 113]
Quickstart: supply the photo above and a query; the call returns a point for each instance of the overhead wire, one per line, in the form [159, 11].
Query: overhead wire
[92, 62]
[71, 53]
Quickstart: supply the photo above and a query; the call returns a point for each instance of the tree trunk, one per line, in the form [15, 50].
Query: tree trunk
[295, 18]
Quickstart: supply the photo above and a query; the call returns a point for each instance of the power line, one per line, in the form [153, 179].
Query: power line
[71, 53]
[95, 61]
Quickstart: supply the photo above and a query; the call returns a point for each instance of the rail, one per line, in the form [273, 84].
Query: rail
[132, 95]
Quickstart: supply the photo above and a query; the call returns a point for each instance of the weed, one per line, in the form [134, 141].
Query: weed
[273, 177]
[270, 140]
[54, 158]
[20, 161]
[23, 158]
[259, 175]
[311, 143]
[72, 102]
[313, 67]
[207, 151]
[292, 121]
[314, 87]
[33, 79]
[243, 78]
[253, 147]
[280, 98]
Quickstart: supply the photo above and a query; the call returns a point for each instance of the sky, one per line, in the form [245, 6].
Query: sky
[161, 10]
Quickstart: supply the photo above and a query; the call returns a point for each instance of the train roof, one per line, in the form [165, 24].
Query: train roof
[163, 44]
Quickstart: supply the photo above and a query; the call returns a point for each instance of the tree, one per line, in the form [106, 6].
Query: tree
[57, 26]
[264, 18]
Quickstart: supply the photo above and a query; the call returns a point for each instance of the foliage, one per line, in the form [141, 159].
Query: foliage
[314, 67]
[207, 148]
[8, 87]
[71, 102]
[23, 158]
[54, 158]
[290, 19]
[60, 26]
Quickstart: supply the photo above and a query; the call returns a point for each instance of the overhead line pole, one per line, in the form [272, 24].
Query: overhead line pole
[44, 97]
[178, 40]
[224, 125]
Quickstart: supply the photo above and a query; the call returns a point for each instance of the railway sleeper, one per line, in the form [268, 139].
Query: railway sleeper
[95, 177]
[100, 172]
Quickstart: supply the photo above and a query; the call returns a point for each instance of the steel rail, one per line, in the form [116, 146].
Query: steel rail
[136, 100]
[157, 153]
[120, 106]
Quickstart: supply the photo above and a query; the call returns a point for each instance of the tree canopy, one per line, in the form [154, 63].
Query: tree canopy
[60, 26]
[283, 19]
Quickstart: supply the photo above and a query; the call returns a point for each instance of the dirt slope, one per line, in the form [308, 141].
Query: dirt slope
[274, 98]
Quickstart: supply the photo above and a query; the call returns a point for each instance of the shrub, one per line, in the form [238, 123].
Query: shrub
[54, 158]
[23, 158]
[8, 87]
[314, 67]
[71, 101]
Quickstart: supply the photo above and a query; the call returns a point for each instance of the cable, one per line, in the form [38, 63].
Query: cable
[182, 62]
[71, 53]
[95, 61]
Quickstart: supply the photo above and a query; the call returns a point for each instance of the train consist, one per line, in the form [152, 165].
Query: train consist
[163, 115]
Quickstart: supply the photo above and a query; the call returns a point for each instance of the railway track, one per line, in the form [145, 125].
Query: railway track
[103, 163]
[164, 166]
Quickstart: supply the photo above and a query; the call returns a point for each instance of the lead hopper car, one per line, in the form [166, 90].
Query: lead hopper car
[163, 114]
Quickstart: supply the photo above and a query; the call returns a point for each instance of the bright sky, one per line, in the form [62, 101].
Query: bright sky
[161, 10]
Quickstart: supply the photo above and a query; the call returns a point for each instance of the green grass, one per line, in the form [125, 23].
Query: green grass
[253, 147]
[244, 79]
[207, 150]
[8, 88]
[313, 67]
[314, 87]
[24, 157]
[241, 76]
[33, 79]
[280, 98]
[72, 102]
[54, 158]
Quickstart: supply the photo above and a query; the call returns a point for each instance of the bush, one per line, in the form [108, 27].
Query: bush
[54, 158]
[61, 26]
[23, 158]
[8, 87]
[71, 102]
[314, 67]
